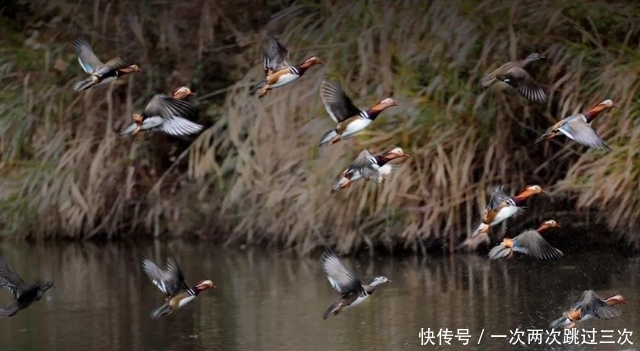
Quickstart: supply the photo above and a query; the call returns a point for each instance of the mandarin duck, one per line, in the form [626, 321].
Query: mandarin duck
[342, 279]
[350, 119]
[529, 242]
[588, 306]
[368, 166]
[578, 127]
[171, 282]
[501, 207]
[24, 293]
[99, 73]
[515, 76]
[166, 114]
[278, 69]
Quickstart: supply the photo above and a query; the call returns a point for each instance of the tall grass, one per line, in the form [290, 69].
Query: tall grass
[256, 175]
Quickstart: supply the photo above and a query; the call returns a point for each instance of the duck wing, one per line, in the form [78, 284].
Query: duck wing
[591, 304]
[86, 57]
[164, 106]
[499, 251]
[275, 56]
[533, 244]
[341, 278]
[578, 130]
[519, 79]
[338, 105]
[497, 198]
[170, 281]
[10, 279]
[178, 126]
[365, 165]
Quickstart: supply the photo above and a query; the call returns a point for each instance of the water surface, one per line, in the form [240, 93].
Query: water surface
[272, 301]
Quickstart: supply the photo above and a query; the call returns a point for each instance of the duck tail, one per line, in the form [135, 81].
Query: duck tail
[327, 137]
[333, 309]
[10, 310]
[547, 135]
[339, 184]
[83, 85]
[127, 131]
[499, 251]
[562, 322]
[257, 86]
[481, 228]
[161, 311]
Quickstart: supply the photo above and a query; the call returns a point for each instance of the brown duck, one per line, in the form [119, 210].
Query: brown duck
[350, 119]
[171, 282]
[514, 75]
[347, 284]
[588, 306]
[278, 69]
[578, 127]
[24, 293]
[99, 73]
[530, 243]
[165, 114]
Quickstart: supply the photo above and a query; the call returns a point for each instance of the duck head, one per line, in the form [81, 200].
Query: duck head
[534, 57]
[384, 104]
[130, 69]
[530, 190]
[205, 285]
[181, 93]
[311, 61]
[394, 153]
[595, 110]
[601, 106]
[380, 279]
[47, 285]
[616, 300]
[548, 224]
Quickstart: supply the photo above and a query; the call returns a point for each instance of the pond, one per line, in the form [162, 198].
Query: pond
[275, 301]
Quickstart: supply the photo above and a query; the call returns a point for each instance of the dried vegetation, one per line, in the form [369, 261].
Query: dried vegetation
[256, 175]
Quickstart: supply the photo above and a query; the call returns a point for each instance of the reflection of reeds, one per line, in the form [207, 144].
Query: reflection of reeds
[257, 173]
[275, 302]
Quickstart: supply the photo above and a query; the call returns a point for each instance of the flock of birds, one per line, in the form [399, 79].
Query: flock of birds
[173, 115]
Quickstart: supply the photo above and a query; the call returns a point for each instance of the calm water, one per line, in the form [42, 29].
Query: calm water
[270, 301]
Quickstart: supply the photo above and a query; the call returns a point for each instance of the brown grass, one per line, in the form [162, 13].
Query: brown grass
[257, 176]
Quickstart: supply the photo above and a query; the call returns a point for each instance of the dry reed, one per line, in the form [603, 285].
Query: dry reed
[256, 174]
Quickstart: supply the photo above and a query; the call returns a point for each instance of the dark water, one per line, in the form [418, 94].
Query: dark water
[270, 301]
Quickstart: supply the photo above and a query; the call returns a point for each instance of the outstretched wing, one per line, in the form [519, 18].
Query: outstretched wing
[86, 57]
[341, 278]
[178, 126]
[169, 281]
[582, 133]
[365, 164]
[167, 107]
[533, 244]
[275, 56]
[338, 105]
[591, 304]
[523, 83]
[497, 198]
[10, 279]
